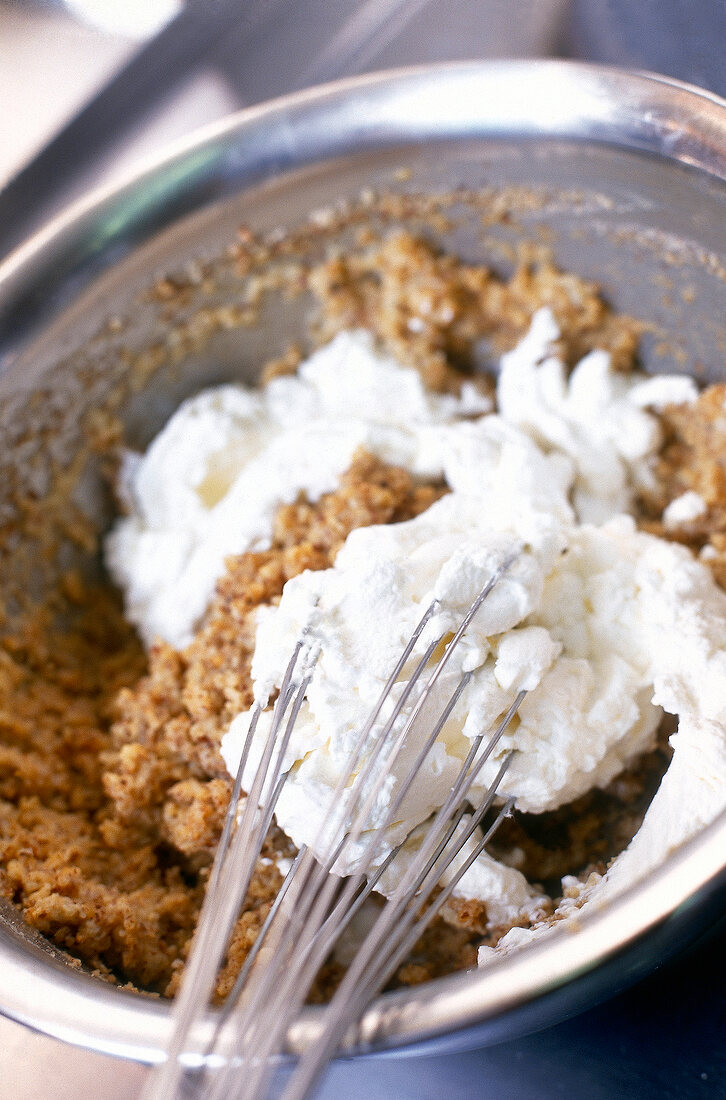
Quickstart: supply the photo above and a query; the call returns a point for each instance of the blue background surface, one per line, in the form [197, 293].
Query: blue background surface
[663, 1039]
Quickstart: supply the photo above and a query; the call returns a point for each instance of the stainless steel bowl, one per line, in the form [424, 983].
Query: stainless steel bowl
[630, 171]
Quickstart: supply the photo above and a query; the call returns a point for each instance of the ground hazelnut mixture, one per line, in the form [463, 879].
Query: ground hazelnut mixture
[112, 789]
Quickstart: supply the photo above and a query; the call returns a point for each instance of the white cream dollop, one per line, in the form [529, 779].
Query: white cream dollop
[684, 509]
[597, 416]
[211, 482]
[602, 636]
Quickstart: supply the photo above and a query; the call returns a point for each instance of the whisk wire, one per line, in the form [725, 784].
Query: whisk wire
[410, 932]
[309, 951]
[241, 979]
[341, 1010]
[221, 903]
[407, 887]
[314, 906]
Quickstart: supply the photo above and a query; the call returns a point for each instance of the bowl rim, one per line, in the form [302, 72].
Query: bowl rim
[632, 110]
[547, 99]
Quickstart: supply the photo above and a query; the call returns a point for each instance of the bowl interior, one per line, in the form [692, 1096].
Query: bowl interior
[125, 309]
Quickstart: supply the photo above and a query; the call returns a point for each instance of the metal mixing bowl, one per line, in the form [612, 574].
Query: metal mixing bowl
[630, 171]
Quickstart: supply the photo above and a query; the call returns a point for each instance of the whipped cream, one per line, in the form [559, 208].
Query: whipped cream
[684, 509]
[603, 626]
[597, 415]
[211, 482]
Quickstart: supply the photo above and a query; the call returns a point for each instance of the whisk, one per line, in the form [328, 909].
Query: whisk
[314, 905]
